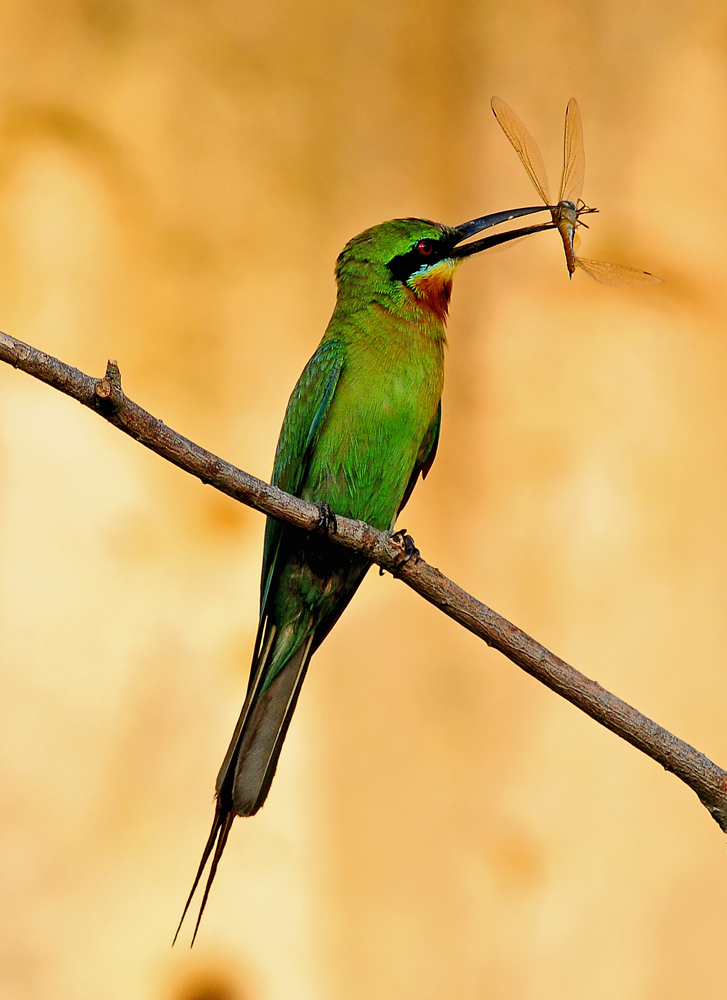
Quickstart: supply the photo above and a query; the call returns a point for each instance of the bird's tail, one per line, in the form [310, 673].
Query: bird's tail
[249, 765]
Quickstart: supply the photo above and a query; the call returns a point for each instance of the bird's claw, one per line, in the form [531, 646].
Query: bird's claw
[327, 523]
[408, 548]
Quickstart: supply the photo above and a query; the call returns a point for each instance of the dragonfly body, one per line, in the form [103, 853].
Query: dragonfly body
[565, 217]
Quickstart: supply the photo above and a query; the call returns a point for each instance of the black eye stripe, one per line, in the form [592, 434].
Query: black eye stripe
[424, 253]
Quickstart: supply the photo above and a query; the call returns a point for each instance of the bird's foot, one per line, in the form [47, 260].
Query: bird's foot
[327, 523]
[408, 549]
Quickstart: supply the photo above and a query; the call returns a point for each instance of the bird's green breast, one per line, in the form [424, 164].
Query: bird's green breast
[385, 401]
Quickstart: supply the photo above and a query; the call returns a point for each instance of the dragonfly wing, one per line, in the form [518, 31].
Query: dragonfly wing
[524, 145]
[574, 157]
[616, 274]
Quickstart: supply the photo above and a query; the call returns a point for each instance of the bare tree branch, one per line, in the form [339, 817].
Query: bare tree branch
[106, 397]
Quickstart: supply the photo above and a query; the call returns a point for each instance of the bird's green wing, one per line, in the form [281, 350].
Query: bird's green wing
[425, 457]
[304, 418]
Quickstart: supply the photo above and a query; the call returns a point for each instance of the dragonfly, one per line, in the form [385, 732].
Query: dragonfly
[570, 207]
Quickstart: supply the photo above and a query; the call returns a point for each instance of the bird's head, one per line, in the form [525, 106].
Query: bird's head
[412, 261]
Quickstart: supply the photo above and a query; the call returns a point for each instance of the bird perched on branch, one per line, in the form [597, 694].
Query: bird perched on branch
[361, 426]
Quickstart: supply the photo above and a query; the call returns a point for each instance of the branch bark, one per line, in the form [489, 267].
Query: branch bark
[106, 397]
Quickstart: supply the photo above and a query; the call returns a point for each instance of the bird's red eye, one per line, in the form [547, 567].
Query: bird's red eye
[425, 248]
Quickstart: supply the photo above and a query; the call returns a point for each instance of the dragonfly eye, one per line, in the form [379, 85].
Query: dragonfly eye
[425, 248]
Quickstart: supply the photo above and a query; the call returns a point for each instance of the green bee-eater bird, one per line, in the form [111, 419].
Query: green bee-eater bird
[361, 426]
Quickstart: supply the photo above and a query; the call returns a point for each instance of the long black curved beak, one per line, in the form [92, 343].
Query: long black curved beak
[468, 229]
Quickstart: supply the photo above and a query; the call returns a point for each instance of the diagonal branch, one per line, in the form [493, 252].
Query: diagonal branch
[106, 397]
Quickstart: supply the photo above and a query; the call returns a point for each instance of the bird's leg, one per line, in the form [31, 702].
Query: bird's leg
[327, 523]
[408, 548]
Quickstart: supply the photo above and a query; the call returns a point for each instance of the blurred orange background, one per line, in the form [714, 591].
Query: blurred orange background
[176, 180]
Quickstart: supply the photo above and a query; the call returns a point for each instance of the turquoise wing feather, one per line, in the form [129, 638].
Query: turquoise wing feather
[307, 408]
